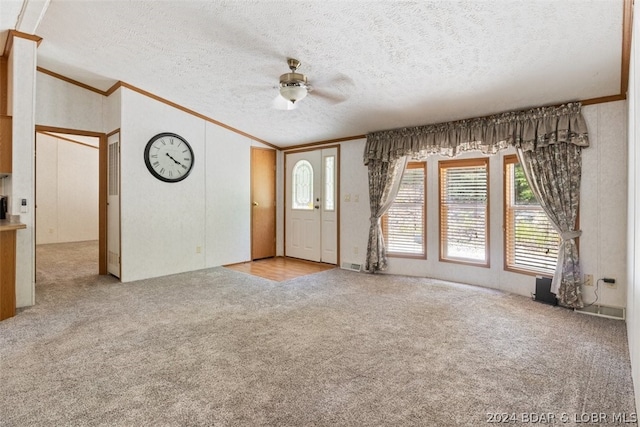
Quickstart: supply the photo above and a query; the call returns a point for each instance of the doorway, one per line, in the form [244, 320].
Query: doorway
[69, 204]
[312, 204]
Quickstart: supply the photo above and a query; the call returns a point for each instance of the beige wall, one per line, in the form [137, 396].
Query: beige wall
[633, 231]
[20, 185]
[66, 190]
[64, 105]
[202, 221]
[602, 214]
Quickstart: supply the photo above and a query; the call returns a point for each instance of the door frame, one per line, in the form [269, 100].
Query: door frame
[102, 188]
[338, 205]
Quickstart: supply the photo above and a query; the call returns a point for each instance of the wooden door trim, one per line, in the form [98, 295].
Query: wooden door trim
[102, 188]
[338, 205]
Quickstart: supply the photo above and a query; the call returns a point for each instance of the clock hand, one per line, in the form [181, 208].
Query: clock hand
[175, 161]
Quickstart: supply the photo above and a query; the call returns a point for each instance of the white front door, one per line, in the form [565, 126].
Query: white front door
[312, 205]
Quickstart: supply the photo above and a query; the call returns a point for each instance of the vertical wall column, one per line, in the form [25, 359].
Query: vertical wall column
[20, 185]
[633, 209]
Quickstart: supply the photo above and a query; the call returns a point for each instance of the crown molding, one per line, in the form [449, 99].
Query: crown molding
[69, 80]
[68, 139]
[121, 84]
[196, 114]
[13, 33]
[324, 142]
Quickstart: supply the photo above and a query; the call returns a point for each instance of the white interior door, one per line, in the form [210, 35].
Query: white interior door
[113, 205]
[312, 205]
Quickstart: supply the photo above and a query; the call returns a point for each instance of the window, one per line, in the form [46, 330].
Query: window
[302, 186]
[403, 225]
[464, 204]
[329, 183]
[531, 242]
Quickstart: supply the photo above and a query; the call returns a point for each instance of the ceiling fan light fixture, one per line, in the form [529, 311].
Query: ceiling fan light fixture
[293, 86]
[293, 92]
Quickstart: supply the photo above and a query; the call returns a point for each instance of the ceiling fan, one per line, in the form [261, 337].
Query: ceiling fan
[294, 87]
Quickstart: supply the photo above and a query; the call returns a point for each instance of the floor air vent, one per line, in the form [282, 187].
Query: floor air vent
[351, 266]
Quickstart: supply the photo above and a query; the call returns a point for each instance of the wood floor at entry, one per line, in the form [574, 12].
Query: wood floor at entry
[280, 269]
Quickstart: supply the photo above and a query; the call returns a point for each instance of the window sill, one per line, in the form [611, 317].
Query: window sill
[407, 256]
[528, 272]
[464, 262]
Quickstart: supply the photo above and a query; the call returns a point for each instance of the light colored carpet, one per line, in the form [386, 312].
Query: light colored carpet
[66, 262]
[218, 347]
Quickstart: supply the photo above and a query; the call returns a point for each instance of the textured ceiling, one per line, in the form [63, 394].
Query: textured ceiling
[397, 63]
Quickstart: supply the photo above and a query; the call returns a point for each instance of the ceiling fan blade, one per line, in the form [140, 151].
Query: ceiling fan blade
[334, 98]
[340, 82]
[279, 103]
[340, 87]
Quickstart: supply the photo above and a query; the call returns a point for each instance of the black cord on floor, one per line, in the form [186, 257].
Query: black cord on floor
[595, 292]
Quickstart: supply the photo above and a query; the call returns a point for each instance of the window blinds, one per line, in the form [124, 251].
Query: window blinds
[531, 242]
[404, 225]
[463, 210]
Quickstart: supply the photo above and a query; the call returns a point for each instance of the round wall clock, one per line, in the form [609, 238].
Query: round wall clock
[168, 157]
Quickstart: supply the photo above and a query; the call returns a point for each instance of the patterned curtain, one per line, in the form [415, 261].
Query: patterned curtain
[553, 172]
[527, 129]
[384, 182]
[549, 141]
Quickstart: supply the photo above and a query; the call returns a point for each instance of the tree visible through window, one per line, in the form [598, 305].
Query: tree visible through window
[403, 225]
[531, 242]
[464, 201]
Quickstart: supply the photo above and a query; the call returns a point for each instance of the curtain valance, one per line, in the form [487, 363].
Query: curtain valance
[526, 130]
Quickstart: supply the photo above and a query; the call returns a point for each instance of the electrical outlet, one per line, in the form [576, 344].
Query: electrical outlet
[588, 280]
[355, 250]
[198, 249]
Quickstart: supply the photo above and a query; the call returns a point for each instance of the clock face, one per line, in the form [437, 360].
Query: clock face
[168, 157]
